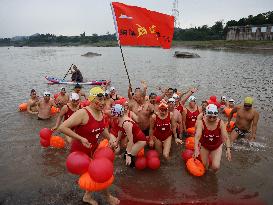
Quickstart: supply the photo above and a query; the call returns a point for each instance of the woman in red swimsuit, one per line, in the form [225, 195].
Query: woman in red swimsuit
[210, 134]
[66, 111]
[190, 113]
[86, 126]
[162, 128]
[134, 135]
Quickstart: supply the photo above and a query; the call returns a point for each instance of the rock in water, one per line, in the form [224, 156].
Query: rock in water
[91, 54]
[179, 54]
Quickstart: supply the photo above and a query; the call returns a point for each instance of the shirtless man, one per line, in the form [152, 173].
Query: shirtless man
[78, 90]
[62, 98]
[246, 121]
[32, 103]
[143, 109]
[44, 106]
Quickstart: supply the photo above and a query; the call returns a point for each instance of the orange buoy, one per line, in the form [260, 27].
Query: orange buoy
[195, 167]
[191, 131]
[231, 127]
[103, 143]
[190, 143]
[88, 184]
[141, 153]
[22, 107]
[57, 142]
[227, 111]
[54, 110]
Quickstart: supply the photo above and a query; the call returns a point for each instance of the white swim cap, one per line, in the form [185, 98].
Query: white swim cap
[74, 96]
[212, 110]
[46, 94]
[191, 98]
[117, 110]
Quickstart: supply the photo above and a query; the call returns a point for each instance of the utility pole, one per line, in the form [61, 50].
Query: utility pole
[175, 13]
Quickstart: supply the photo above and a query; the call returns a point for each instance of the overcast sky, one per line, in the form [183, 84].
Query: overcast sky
[72, 17]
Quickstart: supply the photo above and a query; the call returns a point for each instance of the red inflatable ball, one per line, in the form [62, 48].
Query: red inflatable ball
[105, 152]
[45, 134]
[44, 143]
[187, 154]
[22, 107]
[101, 170]
[77, 163]
[141, 163]
[152, 153]
[195, 167]
[57, 142]
[153, 163]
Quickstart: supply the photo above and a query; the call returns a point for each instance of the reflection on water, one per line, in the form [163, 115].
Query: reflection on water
[32, 175]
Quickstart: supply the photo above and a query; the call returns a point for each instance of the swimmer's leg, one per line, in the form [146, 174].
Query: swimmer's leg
[88, 198]
[216, 158]
[204, 153]
[167, 147]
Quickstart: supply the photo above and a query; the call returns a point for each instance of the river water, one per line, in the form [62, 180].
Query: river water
[30, 174]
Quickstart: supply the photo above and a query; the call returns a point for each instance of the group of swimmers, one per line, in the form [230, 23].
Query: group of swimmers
[132, 123]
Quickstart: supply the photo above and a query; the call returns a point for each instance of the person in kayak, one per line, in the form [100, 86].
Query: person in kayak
[76, 75]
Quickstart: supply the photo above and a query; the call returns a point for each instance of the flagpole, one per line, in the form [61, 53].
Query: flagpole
[123, 59]
[125, 65]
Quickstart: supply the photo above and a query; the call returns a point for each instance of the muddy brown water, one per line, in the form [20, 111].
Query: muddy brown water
[30, 174]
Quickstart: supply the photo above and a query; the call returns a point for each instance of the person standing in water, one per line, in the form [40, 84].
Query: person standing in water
[62, 98]
[32, 104]
[44, 106]
[86, 126]
[211, 134]
[246, 121]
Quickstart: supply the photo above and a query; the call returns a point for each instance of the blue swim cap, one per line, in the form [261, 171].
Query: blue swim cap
[117, 110]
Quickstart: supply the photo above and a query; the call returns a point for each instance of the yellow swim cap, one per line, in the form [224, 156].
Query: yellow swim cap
[94, 92]
[248, 100]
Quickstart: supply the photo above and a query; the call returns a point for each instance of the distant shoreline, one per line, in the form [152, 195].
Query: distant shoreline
[214, 44]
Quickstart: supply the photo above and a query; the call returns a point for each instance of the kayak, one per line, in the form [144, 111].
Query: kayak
[53, 80]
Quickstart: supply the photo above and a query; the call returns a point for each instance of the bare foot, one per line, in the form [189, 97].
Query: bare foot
[88, 199]
[112, 200]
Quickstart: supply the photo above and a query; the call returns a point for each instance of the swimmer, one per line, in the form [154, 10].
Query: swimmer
[211, 134]
[135, 137]
[62, 98]
[246, 121]
[67, 110]
[190, 113]
[44, 106]
[162, 128]
[78, 90]
[32, 104]
[86, 127]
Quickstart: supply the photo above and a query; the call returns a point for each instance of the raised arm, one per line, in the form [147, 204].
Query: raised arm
[185, 97]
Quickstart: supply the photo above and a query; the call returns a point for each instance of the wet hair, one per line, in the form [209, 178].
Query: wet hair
[170, 89]
[175, 90]
[152, 94]
[78, 86]
[32, 91]
[138, 88]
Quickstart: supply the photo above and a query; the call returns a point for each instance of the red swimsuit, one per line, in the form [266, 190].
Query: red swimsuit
[191, 118]
[68, 113]
[211, 139]
[162, 128]
[138, 135]
[91, 131]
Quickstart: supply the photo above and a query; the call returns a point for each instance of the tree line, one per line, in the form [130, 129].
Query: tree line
[216, 32]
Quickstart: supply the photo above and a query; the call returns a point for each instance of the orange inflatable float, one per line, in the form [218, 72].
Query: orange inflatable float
[195, 167]
[227, 111]
[231, 127]
[22, 107]
[88, 184]
[54, 110]
[103, 143]
[141, 153]
[191, 131]
[190, 143]
[57, 142]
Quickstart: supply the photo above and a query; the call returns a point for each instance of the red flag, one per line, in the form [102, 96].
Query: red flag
[136, 26]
